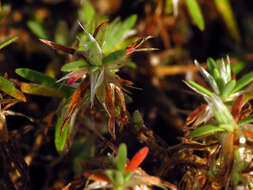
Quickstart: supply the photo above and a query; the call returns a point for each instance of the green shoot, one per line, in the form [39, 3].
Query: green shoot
[8, 41]
[196, 13]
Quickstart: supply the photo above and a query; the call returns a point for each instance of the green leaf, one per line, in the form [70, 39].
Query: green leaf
[86, 13]
[196, 13]
[131, 64]
[116, 33]
[205, 130]
[43, 79]
[127, 176]
[61, 34]
[92, 51]
[228, 88]
[119, 181]
[93, 54]
[114, 56]
[75, 65]
[7, 87]
[37, 77]
[8, 41]
[211, 65]
[42, 90]
[117, 111]
[224, 70]
[236, 178]
[238, 67]
[127, 42]
[59, 140]
[216, 74]
[199, 88]
[242, 82]
[222, 113]
[100, 37]
[226, 12]
[37, 29]
[122, 157]
[227, 127]
[90, 28]
[246, 120]
[220, 83]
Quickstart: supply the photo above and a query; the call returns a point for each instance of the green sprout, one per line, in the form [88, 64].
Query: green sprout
[224, 89]
[224, 121]
[218, 75]
[125, 175]
[8, 41]
[5, 85]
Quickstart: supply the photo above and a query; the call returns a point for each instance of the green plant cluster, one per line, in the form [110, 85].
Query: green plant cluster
[220, 119]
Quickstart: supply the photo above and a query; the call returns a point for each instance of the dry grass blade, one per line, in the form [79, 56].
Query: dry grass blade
[4, 136]
[237, 107]
[246, 111]
[133, 47]
[8, 101]
[120, 99]
[96, 176]
[56, 46]
[152, 180]
[111, 109]
[140, 42]
[174, 70]
[124, 82]
[75, 102]
[194, 115]
[98, 28]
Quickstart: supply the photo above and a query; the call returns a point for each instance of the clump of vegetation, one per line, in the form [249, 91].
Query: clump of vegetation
[225, 123]
[91, 74]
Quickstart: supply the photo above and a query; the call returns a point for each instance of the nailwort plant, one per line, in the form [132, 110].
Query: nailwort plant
[91, 77]
[223, 119]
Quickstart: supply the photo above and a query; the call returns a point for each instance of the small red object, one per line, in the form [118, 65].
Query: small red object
[137, 159]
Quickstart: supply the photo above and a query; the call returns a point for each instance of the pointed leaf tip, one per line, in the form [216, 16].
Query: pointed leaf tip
[196, 13]
[7, 87]
[122, 157]
[56, 46]
[8, 41]
[205, 131]
[137, 159]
